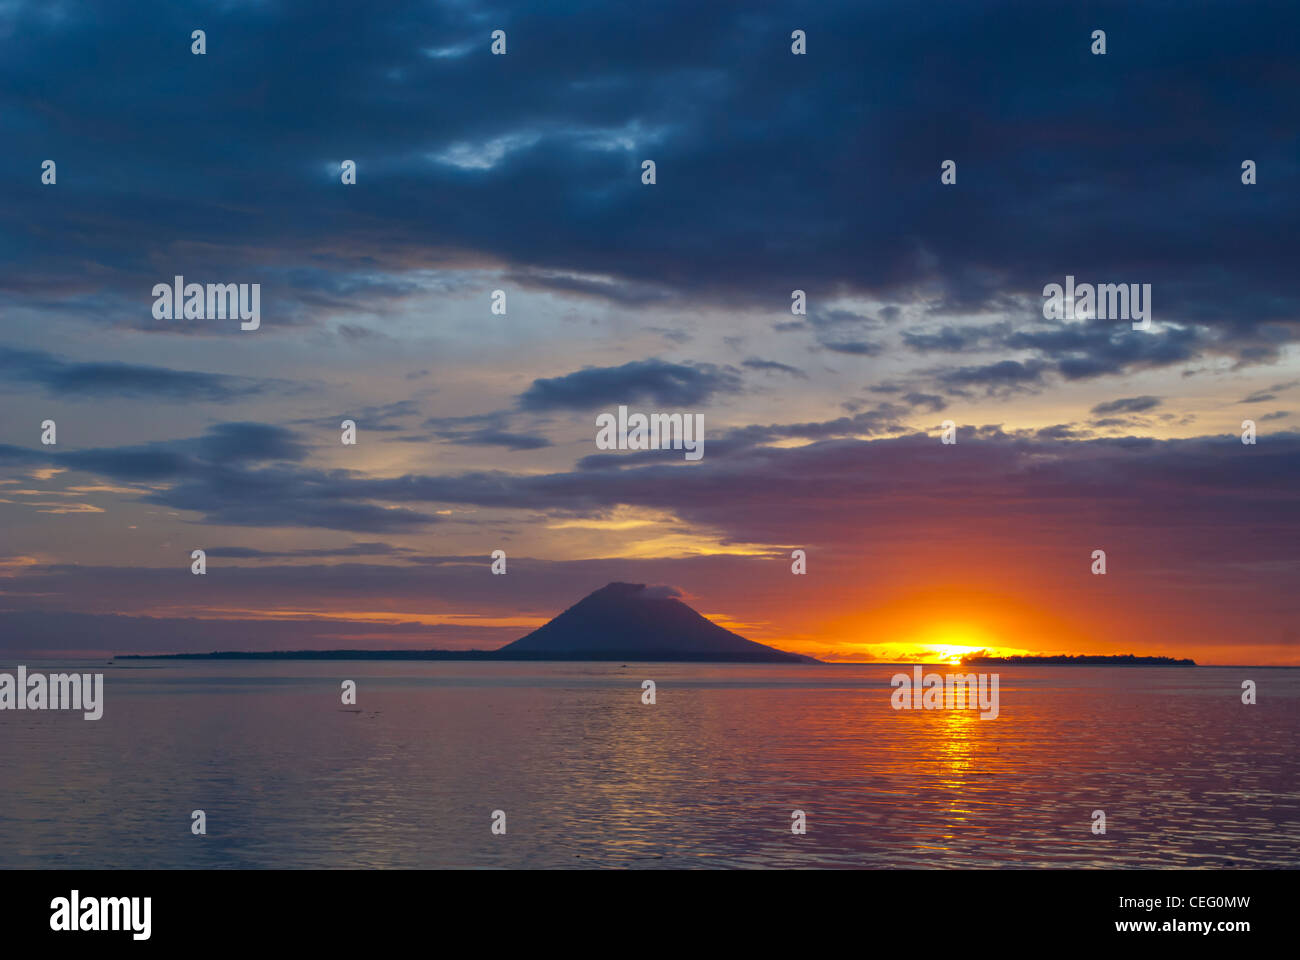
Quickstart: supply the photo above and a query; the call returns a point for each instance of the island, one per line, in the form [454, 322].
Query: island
[1124, 660]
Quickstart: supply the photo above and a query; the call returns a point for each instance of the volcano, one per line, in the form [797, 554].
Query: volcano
[628, 621]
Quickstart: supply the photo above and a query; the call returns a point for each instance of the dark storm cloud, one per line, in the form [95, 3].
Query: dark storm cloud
[771, 175]
[83, 379]
[650, 381]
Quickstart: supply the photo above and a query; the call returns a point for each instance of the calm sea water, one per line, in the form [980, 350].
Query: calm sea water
[707, 777]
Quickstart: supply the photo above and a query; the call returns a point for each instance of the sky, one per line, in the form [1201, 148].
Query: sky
[774, 172]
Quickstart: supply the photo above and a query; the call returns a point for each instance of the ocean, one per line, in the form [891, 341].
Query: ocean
[587, 775]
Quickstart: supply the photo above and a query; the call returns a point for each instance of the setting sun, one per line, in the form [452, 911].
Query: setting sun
[949, 642]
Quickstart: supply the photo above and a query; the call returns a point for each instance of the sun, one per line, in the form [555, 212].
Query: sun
[952, 653]
[949, 642]
[940, 641]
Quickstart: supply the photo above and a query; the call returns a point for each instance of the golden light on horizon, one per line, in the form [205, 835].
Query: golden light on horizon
[950, 653]
[952, 641]
[941, 624]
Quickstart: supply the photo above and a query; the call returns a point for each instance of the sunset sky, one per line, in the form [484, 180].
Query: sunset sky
[775, 172]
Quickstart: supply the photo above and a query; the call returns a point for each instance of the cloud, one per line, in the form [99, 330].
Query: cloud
[538, 174]
[772, 366]
[662, 592]
[623, 292]
[1127, 405]
[771, 178]
[485, 430]
[947, 340]
[1264, 396]
[233, 442]
[242, 474]
[931, 402]
[655, 382]
[858, 348]
[1139, 483]
[1061, 431]
[1084, 351]
[380, 418]
[365, 549]
[500, 438]
[1002, 375]
[1003, 504]
[94, 379]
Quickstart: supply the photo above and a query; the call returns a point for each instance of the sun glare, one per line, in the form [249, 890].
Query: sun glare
[949, 642]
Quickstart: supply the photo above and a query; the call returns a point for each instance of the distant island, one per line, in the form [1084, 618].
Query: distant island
[1125, 660]
[620, 621]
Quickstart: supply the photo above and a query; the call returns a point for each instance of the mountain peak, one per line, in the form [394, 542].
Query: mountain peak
[630, 621]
